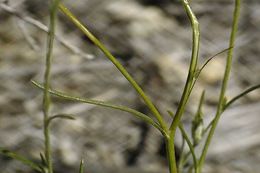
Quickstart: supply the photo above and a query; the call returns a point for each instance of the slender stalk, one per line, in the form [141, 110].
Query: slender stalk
[224, 84]
[191, 147]
[118, 65]
[46, 97]
[182, 155]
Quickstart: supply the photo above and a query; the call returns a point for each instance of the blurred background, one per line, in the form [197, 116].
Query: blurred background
[152, 39]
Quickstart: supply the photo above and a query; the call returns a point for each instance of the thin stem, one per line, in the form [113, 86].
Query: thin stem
[192, 68]
[118, 65]
[134, 112]
[182, 155]
[46, 97]
[224, 84]
[191, 147]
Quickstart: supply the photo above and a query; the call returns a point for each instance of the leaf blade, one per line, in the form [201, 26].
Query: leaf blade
[20, 158]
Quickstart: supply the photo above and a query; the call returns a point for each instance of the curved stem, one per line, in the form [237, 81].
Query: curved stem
[193, 65]
[118, 65]
[224, 84]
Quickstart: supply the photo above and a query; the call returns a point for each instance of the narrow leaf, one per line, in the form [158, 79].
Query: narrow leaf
[81, 166]
[134, 112]
[211, 58]
[241, 95]
[208, 127]
[198, 71]
[20, 158]
[170, 113]
[191, 147]
[117, 64]
[43, 160]
[62, 116]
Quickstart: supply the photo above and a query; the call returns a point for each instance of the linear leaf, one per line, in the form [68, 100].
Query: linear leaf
[61, 116]
[134, 112]
[81, 166]
[22, 159]
[241, 95]
[187, 139]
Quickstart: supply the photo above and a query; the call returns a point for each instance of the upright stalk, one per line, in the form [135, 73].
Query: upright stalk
[188, 85]
[46, 97]
[221, 101]
[171, 154]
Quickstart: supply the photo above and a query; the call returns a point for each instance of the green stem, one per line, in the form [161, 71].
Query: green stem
[182, 155]
[171, 154]
[192, 68]
[124, 72]
[188, 85]
[46, 97]
[191, 147]
[224, 84]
